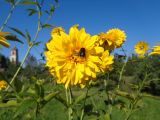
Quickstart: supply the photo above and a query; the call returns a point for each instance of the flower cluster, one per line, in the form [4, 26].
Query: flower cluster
[3, 39]
[141, 48]
[112, 39]
[76, 58]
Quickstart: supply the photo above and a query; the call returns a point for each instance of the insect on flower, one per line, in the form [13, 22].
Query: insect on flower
[82, 52]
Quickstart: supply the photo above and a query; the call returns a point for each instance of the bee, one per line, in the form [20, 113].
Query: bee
[82, 52]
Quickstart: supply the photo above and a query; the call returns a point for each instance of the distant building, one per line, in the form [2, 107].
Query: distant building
[14, 56]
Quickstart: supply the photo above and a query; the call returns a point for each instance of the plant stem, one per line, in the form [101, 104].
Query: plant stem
[121, 73]
[29, 48]
[19, 68]
[136, 99]
[82, 113]
[9, 15]
[69, 101]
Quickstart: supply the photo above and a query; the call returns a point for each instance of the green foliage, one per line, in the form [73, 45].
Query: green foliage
[24, 106]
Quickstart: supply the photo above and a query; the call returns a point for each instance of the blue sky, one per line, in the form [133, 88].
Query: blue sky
[140, 19]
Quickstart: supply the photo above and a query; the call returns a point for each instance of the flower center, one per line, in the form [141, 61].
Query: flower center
[78, 55]
[142, 47]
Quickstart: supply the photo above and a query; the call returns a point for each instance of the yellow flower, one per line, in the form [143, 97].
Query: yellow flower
[3, 39]
[156, 50]
[75, 59]
[114, 38]
[3, 84]
[141, 48]
[57, 30]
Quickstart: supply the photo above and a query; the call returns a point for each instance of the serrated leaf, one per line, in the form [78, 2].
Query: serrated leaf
[18, 85]
[25, 105]
[13, 38]
[46, 26]
[18, 31]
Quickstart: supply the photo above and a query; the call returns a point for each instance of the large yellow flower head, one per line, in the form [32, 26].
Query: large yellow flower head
[3, 84]
[141, 48]
[75, 59]
[156, 50]
[3, 39]
[114, 38]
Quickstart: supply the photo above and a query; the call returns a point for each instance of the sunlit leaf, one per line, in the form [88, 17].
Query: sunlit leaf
[27, 2]
[107, 116]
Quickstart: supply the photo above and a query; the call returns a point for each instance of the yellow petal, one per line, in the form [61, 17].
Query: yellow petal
[4, 43]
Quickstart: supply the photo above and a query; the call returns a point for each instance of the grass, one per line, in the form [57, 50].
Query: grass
[95, 106]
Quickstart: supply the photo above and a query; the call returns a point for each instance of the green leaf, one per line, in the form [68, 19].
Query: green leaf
[31, 11]
[46, 11]
[39, 90]
[52, 9]
[27, 2]
[11, 103]
[28, 37]
[51, 96]
[18, 85]
[13, 38]
[47, 26]
[107, 116]
[80, 98]
[61, 100]
[11, 2]
[37, 43]
[25, 105]
[48, 98]
[56, 1]
[18, 31]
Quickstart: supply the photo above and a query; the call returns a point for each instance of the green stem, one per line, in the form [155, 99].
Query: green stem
[19, 68]
[121, 73]
[136, 99]
[82, 113]
[9, 15]
[69, 101]
[27, 53]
